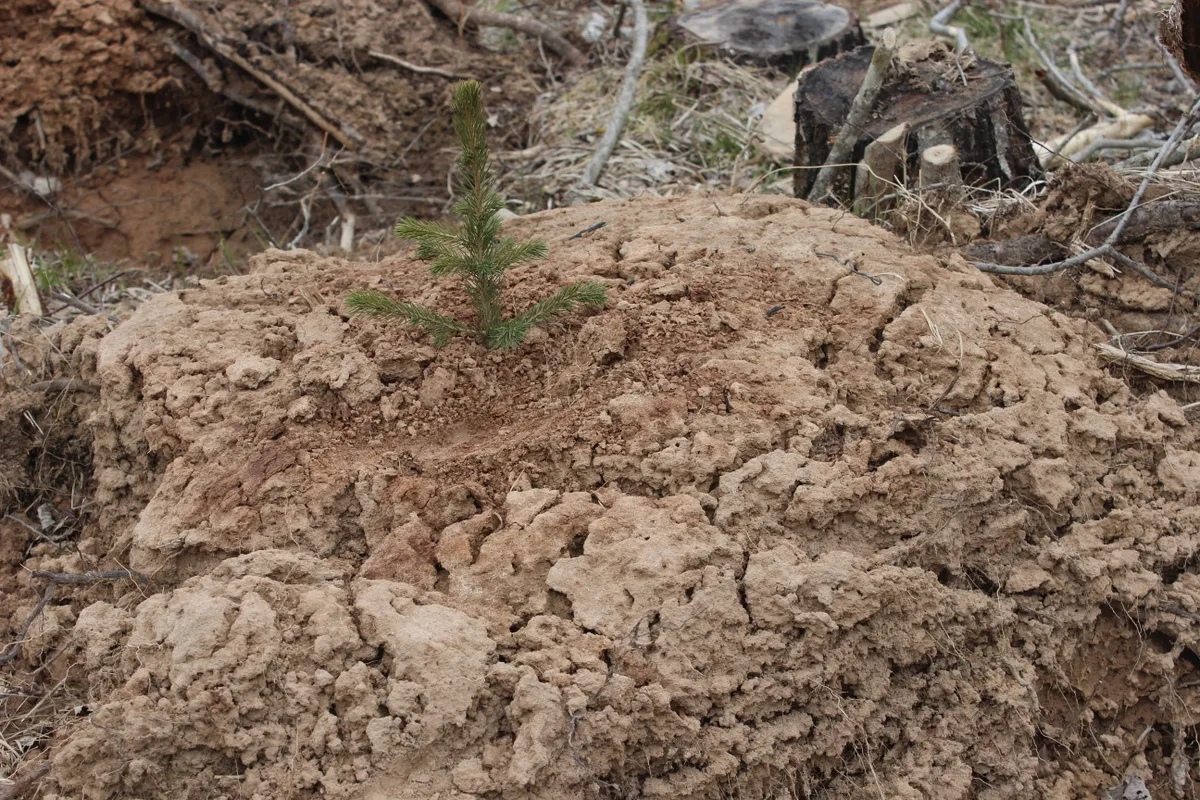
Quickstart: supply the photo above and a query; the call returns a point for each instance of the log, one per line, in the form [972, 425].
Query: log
[977, 109]
[879, 172]
[782, 33]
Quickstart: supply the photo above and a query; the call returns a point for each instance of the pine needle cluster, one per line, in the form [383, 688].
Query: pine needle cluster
[475, 252]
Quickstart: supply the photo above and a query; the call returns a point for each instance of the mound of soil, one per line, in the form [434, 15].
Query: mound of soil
[766, 527]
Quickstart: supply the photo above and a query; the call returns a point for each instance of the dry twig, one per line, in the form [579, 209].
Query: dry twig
[408, 65]
[464, 14]
[940, 24]
[1184, 373]
[1107, 248]
[55, 578]
[856, 119]
[633, 71]
[231, 51]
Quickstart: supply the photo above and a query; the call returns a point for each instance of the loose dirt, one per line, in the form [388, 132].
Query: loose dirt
[763, 528]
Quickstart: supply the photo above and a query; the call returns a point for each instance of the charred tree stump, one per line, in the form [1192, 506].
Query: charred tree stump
[782, 33]
[980, 117]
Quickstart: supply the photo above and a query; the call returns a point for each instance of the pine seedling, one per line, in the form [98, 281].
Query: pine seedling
[476, 252]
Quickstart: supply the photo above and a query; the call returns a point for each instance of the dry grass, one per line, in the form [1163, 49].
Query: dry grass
[693, 125]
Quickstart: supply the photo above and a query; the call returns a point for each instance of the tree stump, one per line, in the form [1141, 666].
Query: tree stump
[878, 172]
[979, 116]
[783, 33]
[939, 167]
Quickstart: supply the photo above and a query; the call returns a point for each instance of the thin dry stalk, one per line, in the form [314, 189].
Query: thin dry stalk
[411, 67]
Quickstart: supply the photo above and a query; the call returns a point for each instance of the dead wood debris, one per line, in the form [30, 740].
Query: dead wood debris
[940, 24]
[231, 50]
[633, 72]
[856, 119]
[56, 578]
[463, 14]
[1107, 249]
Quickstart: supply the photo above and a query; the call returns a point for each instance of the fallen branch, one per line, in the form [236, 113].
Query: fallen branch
[1063, 141]
[75, 302]
[1186, 152]
[1107, 249]
[495, 19]
[1169, 372]
[411, 67]
[1126, 127]
[12, 790]
[940, 24]
[84, 578]
[633, 71]
[59, 385]
[1099, 145]
[856, 119]
[231, 51]
[1090, 88]
[55, 578]
[1015, 252]
[1125, 124]
[1053, 78]
[1179, 340]
[217, 85]
[1164, 215]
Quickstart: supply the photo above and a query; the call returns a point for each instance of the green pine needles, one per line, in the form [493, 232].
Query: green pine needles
[476, 252]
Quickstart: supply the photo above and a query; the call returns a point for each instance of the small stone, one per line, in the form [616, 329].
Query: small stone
[435, 386]
[537, 336]
[301, 410]
[250, 372]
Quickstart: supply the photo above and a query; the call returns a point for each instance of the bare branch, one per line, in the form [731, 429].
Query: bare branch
[464, 14]
[230, 51]
[56, 578]
[408, 65]
[633, 71]
[940, 24]
[856, 119]
[1107, 249]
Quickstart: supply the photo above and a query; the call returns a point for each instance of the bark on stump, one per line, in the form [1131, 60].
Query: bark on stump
[782, 33]
[981, 119]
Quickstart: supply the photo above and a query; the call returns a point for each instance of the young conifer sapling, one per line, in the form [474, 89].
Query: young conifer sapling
[476, 252]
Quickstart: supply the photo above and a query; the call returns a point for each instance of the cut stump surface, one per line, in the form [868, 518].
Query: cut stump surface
[778, 32]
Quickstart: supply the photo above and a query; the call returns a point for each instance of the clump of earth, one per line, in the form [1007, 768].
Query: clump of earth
[766, 527]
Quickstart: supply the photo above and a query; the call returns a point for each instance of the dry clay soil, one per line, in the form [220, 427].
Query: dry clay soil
[905, 539]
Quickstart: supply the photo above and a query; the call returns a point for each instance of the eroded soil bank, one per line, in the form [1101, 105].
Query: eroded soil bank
[900, 537]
